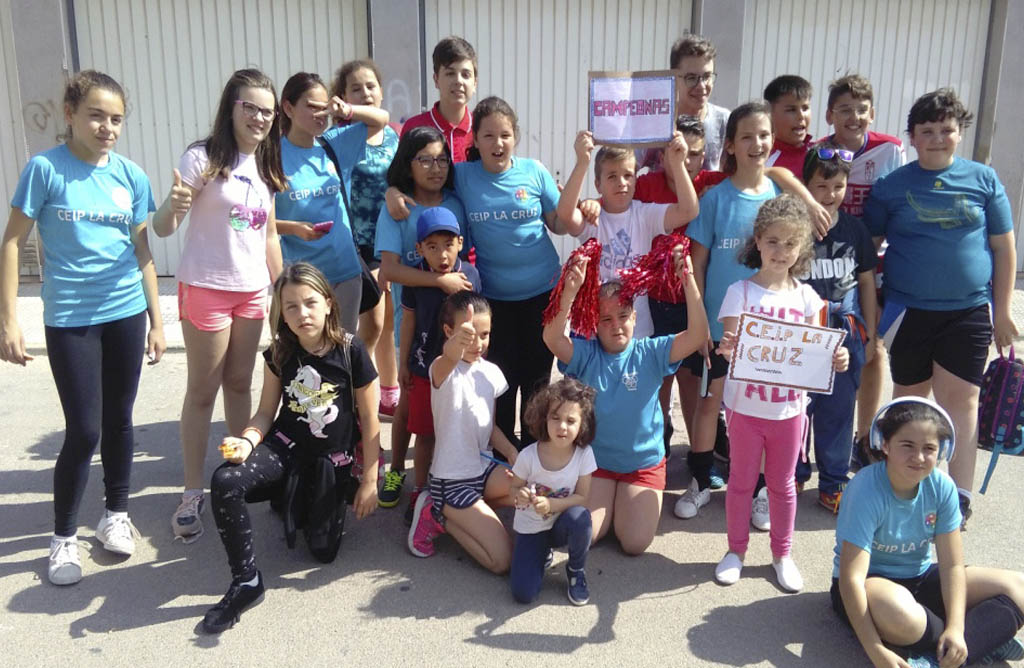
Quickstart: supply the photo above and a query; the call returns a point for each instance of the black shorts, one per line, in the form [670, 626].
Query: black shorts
[719, 364]
[369, 257]
[925, 588]
[668, 318]
[957, 341]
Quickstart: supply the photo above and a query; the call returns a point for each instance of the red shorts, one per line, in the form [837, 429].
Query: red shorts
[653, 477]
[421, 418]
[213, 310]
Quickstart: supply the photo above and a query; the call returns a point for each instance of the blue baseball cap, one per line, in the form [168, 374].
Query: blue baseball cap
[436, 219]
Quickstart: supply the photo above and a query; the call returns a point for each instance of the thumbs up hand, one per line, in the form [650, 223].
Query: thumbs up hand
[180, 197]
[461, 338]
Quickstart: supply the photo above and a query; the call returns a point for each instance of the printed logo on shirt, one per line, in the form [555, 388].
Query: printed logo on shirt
[929, 520]
[618, 253]
[729, 243]
[960, 213]
[629, 380]
[122, 198]
[901, 548]
[521, 194]
[504, 214]
[90, 216]
[421, 350]
[560, 493]
[869, 170]
[303, 193]
[313, 399]
[938, 185]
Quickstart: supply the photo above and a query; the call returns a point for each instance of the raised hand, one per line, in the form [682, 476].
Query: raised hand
[180, 197]
[462, 338]
[584, 146]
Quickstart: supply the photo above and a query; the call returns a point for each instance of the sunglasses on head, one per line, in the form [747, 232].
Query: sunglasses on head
[826, 153]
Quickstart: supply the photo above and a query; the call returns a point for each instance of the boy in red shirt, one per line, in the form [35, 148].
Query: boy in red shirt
[789, 97]
[455, 71]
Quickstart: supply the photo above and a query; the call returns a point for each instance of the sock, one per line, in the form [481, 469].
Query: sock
[117, 513]
[990, 624]
[192, 492]
[965, 493]
[251, 582]
[930, 640]
[72, 537]
[760, 484]
[700, 466]
[389, 394]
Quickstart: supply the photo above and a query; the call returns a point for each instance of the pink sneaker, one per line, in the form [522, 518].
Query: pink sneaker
[424, 527]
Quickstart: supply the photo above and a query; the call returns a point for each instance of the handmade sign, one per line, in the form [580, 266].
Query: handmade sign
[632, 108]
[784, 354]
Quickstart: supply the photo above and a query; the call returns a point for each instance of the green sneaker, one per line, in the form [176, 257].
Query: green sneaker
[391, 492]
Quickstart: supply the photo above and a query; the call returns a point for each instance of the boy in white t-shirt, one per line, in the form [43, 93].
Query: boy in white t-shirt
[626, 228]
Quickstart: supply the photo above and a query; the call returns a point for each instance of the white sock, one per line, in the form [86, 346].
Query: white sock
[192, 492]
[111, 513]
[965, 493]
[252, 583]
[72, 537]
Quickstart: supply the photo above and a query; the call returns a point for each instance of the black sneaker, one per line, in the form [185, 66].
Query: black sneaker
[240, 597]
[965, 511]
[577, 590]
[721, 439]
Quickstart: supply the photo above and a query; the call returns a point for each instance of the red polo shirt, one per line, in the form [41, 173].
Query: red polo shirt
[459, 137]
[789, 156]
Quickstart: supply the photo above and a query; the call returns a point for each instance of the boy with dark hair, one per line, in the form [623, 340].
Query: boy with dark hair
[789, 97]
[842, 272]
[455, 76]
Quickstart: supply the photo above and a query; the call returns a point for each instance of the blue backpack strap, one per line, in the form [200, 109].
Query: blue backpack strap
[997, 447]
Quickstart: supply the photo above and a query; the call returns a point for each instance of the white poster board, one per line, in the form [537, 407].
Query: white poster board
[784, 354]
[632, 108]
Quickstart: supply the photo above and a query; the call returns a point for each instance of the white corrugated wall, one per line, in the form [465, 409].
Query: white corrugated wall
[536, 55]
[906, 48]
[173, 59]
[12, 136]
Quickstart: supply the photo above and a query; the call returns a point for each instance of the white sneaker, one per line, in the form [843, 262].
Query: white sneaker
[117, 534]
[759, 516]
[727, 572]
[65, 564]
[692, 500]
[185, 521]
[788, 574]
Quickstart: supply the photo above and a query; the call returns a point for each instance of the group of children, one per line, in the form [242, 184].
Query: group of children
[279, 195]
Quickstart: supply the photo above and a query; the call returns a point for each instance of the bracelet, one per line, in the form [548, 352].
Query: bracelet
[351, 111]
[258, 432]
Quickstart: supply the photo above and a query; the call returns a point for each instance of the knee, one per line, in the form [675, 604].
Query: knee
[224, 482]
[635, 545]
[578, 519]
[524, 589]
[238, 381]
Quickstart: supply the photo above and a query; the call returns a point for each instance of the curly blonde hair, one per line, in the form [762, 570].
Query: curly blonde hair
[782, 209]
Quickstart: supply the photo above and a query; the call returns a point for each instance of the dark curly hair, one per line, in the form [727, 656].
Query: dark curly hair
[784, 208]
[564, 391]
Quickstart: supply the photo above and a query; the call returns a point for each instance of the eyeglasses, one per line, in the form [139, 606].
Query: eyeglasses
[426, 162]
[691, 80]
[254, 110]
[826, 153]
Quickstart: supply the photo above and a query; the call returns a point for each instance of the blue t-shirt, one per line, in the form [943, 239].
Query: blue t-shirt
[897, 532]
[505, 216]
[937, 224]
[313, 196]
[629, 420]
[364, 170]
[399, 236]
[425, 304]
[725, 222]
[85, 215]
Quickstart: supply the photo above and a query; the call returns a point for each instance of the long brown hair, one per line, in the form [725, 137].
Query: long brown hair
[284, 344]
[221, 147]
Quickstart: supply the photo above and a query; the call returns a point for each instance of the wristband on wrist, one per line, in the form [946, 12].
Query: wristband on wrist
[348, 116]
[259, 434]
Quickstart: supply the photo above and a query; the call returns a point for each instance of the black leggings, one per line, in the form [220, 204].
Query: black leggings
[517, 347]
[96, 369]
[232, 485]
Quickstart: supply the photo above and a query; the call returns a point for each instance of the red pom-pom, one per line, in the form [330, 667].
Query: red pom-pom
[583, 314]
[654, 274]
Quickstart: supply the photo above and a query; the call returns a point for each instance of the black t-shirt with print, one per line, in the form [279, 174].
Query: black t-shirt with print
[316, 399]
[846, 251]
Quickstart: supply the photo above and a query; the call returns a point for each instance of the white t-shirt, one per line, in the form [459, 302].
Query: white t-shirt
[624, 237]
[463, 409]
[796, 305]
[552, 484]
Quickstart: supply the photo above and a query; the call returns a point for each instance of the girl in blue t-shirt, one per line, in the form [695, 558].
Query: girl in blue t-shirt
[421, 170]
[100, 283]
[365, 149]
[311, 206]
[884, 583]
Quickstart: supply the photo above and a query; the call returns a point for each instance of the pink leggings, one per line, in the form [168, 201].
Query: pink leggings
[780, 441]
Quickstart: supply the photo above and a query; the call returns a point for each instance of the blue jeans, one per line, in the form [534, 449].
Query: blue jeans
[572, 528]
[831, 417]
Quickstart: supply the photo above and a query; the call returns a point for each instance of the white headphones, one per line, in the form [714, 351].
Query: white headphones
[946, 445]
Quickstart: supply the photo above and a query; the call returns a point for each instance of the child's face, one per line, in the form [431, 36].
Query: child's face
[695, 77]
[362, 87]
[456, 82]
[936, 142]
[695, 155]
[428, 172]
[564, 421]
[615, 324]
[482, 324]
[440, 250]
[307, 112]
[252, 117]
[851, 118]
[96, 123]
[911, 454]
[304, 311]
[496, 140]
[752, 143]
[828, 192]
[616, 183]
[791, 118]
[780, 246]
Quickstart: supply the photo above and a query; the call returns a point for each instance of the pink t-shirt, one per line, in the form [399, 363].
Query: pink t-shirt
[226, 239]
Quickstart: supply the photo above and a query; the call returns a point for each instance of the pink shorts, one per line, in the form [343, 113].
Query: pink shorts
[652, 477]
[421, 418]
[213, 310]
